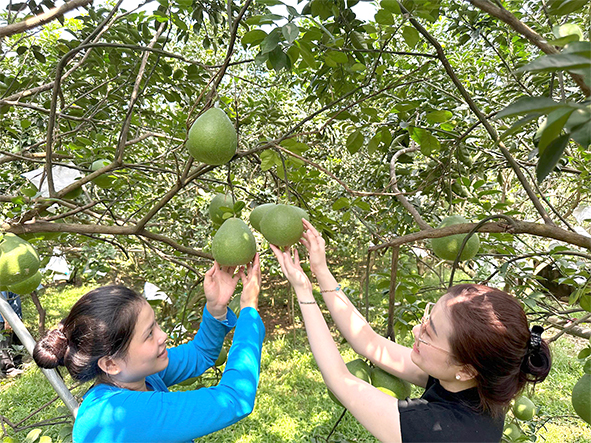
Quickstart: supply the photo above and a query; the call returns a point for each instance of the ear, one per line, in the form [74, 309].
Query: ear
[109, 365]
[467, 373]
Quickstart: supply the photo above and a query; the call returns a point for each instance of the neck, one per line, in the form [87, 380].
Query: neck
[139, 385]
[457, 385]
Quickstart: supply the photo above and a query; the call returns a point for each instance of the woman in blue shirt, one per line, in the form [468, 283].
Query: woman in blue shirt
[111, 336]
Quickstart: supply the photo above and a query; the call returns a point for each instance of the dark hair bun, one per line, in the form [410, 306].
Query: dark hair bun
[50, 349]
[537, 363]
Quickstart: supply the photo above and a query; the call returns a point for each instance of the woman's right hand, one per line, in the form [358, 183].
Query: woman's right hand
[315, 245]
[292, 270]
[251, 284]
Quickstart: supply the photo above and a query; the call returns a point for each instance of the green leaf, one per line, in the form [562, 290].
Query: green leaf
[290, 32]
[337, 56]
[269, 158]
[279, 60]
[361, 204]
[307, 55]
[373, 143]
[426, 140]
[439, 116]
[564, 7]
[556, 62]
[585, 352]
[550, 157]
[384, 17]
[582, 134]
[341, 203]
[411, 36]
[391, 5]
[33, 435]
[254, 37]
[355, 141]
[554, 124]
[518, 124]
[271, 41]
[528, 105]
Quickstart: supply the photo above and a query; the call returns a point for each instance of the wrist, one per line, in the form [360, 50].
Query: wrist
[216, 310]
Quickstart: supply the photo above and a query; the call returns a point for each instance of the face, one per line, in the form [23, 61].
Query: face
[147, 352]
[431, 350]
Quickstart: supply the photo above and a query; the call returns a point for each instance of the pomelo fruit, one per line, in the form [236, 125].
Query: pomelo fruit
[18, 260]
[359, 369]
[104, 181]
[447, 248]
[212, 138]
[28, 285]
[222, 357]
[233, 244]
[512, 432]
[282, 225]
[234, 305]
[524, 408]
[258, 213]
[390, 384]
[217, 202]
[581, 398]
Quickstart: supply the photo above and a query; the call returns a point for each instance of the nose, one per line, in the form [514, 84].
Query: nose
[163, 336]
[416, 331]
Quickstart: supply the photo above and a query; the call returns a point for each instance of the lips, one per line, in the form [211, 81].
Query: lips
[415, 348]
[163, 354]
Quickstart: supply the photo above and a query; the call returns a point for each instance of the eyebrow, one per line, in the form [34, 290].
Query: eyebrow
[432, 325]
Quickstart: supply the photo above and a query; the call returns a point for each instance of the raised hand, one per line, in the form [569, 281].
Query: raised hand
[315, 245]
[251, 284]
[290, 265]
[219, 285]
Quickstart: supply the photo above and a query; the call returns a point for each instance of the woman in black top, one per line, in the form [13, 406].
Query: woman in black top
[473, 353]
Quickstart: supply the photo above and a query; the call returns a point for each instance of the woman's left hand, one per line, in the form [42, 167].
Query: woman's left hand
[219, 285]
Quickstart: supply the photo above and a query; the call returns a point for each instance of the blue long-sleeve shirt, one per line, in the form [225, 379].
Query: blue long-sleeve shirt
[109, 414]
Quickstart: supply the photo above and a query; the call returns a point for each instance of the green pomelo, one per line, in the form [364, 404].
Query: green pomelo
[585, 302]
[28, 285]
[581, 398]
[282, 225]
[234, 305]
[447, 248]
[524, 408]
[233, 244]
[512, 432]
[18, 260]
[390, 384]
[258, 213]
[359, 369]
[217, 202]
[222, 357]
[303, 213]
[212, 138]
[104, 181]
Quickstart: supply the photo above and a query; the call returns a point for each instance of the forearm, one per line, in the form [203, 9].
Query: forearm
[348, 319]
[323, 348]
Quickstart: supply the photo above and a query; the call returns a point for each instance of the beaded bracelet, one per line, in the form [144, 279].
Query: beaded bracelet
[338, 288]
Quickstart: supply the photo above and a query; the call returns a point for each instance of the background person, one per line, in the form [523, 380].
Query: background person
[10, 362]
[111, 335]
[473, 353]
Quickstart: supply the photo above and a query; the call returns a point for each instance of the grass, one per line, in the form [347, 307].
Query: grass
[292, 402]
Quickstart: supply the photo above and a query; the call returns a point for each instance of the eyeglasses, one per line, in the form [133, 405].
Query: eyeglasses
[424, 320]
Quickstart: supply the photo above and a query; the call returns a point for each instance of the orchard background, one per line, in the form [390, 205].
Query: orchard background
[379, 119]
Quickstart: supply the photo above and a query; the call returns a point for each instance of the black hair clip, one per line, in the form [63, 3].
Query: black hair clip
[535, 339]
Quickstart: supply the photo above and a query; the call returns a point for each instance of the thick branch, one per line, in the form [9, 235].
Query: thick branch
[535, 38]
[33, 22]
[520, 227]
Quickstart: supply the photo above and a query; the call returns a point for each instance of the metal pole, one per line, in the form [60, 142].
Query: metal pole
[29, 342]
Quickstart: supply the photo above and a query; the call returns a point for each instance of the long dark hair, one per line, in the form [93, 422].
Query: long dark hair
[100, 324]
[491, 333]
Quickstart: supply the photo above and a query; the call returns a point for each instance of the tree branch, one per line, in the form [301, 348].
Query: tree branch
[33, 22]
